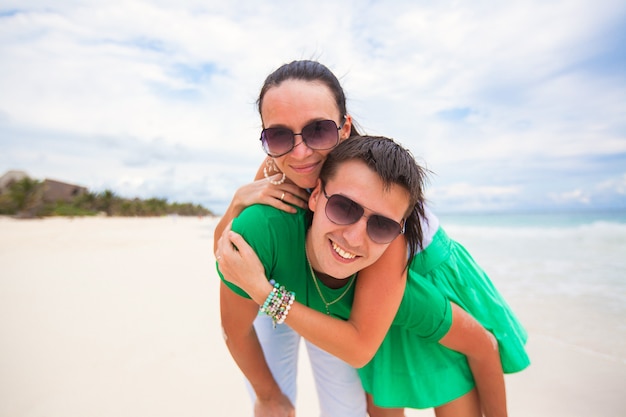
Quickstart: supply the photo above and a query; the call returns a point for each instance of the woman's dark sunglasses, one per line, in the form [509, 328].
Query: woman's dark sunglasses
[319, 135]
[343, 211]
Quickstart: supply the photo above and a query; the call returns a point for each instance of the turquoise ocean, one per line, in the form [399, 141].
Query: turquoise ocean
[556, 219]
[563, 273]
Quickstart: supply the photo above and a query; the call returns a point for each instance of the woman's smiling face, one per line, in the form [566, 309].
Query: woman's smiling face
[293, 104]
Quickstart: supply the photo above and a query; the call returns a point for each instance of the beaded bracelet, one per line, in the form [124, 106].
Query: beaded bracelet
[278, 303]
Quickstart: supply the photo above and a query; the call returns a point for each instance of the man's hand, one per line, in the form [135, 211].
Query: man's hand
[274, 407]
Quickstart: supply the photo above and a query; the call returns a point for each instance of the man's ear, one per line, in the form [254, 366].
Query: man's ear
[315, 195]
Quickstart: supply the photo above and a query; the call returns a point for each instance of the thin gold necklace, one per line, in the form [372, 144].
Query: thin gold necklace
[319, 291]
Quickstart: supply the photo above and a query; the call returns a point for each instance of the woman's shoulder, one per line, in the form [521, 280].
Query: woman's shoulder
[263, 217]
[265, 211]
[273, 234]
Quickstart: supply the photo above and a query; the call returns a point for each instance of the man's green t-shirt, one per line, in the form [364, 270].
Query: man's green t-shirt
[278, 238]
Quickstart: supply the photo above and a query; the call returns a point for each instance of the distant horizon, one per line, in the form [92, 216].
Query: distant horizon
[439, 212]
[521, 212]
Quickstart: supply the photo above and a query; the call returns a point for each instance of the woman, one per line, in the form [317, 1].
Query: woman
[365, 322]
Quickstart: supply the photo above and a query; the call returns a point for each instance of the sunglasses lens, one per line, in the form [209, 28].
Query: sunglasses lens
[322, 134]
[382, 230]
[277, 141]
[342, 210]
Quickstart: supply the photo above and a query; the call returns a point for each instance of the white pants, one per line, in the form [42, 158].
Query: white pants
[338, 386]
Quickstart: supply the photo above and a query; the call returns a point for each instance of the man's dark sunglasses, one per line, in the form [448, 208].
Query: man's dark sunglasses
[343, 211]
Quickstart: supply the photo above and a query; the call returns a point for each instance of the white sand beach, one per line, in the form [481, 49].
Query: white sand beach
[119, 317]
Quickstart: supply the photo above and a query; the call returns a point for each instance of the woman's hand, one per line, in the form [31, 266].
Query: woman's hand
[264, 192]
[240, 265]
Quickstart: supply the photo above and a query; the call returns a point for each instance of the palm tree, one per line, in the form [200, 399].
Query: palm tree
[106, 202]
[27, 197]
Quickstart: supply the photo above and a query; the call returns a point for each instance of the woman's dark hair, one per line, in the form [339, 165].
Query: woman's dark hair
[394, 164]
[307, 71]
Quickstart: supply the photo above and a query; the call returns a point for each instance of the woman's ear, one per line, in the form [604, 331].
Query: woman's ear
[344, 133]
[315, 195]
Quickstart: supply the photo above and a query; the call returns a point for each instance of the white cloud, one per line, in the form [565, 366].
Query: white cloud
[573, 196]
[463, 196]
[614, 185]
[486, 84]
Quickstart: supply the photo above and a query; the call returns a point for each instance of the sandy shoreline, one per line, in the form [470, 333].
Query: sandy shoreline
[119, 317]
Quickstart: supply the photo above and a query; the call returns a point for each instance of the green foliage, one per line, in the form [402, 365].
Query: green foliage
[25, 199]
[65, 209]
[6, 205]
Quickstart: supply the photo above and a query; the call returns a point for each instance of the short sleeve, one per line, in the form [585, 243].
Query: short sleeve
[253, 225]
[273, 234]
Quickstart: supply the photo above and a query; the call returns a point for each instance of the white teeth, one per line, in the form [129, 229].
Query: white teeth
[343, 253]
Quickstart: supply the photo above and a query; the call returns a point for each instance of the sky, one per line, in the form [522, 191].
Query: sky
[513, 106]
